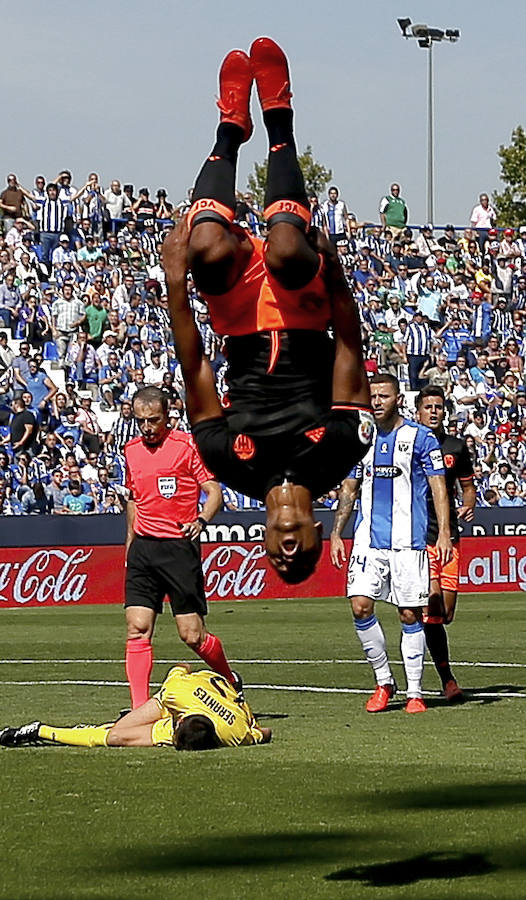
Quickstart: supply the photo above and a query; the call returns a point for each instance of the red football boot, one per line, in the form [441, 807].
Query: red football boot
[452, 692]
[415, 705]
[271, 71]
[379, 700]
[235, 84]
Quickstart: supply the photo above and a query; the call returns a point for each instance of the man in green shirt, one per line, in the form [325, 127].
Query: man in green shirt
[393, 211]
[97, 320]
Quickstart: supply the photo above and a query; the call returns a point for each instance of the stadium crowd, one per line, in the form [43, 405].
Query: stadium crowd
[85, 325]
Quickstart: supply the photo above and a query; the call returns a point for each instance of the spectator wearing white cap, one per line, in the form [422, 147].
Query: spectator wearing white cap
[89, 424]
[15, 234]
[63, 253]
[109, 345]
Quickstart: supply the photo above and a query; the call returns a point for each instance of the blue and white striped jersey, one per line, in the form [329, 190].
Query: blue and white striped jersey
[417, 339]
[394, 473]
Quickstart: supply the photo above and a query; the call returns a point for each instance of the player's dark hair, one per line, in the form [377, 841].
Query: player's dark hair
[196, 733]
[152, 395]
[302, 564]
[386, 378]
[430, 390]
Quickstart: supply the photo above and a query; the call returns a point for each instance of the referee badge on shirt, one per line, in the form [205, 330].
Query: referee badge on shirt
[167, 485]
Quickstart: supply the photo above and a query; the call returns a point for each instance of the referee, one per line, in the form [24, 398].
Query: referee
[165, 476]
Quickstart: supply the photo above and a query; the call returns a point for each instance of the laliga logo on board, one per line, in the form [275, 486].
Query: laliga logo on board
[491, 569]
[38, 579]
[232, 570]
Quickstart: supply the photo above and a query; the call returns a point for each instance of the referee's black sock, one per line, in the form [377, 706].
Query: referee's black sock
[217, 179]
[437, 644]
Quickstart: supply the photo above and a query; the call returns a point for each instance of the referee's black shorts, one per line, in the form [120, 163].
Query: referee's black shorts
[160, 566]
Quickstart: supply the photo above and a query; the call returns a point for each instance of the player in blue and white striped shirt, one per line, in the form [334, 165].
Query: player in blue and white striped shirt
[389, 560]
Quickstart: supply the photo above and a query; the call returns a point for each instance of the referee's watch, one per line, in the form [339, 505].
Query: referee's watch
[202, 521]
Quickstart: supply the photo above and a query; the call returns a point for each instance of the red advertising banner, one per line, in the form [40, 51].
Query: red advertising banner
[37, 576]
[55, 576]
[493, 564]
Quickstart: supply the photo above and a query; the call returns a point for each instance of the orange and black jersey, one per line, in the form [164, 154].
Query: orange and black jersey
[458, 466]
[278, 420]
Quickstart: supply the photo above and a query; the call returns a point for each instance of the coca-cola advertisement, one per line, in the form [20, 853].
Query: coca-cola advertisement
[56, 576]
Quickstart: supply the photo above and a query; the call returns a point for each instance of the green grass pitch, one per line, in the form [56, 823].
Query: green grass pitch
[341, 804]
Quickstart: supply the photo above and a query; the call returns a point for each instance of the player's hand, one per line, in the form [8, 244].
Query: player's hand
[444, 548]
[175, 250]
[338, 556]
[466, 512]
[192, 530]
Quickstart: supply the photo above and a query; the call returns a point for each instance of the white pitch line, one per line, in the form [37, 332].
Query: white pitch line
[309, 689]
[264, 662]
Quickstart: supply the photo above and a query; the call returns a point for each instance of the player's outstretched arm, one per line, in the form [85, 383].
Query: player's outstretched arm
[347, 497]
[201, 397]
[349, 381]
[438, 487]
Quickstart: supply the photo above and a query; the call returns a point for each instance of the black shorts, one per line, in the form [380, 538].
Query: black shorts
[160, 566]
[278, 382]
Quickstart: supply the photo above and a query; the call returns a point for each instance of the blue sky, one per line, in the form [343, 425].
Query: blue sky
[127, 89]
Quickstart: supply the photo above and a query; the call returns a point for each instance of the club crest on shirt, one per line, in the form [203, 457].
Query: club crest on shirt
[449, 461]
[244, 447]
[365, 428]
[403, 446]
[167, 486]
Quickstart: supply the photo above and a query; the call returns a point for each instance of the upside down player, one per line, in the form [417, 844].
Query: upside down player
[191, 711]
[298, 414]
[430, 405]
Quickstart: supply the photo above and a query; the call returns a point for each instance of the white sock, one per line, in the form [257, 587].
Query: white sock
[413, 646]
[372, 639]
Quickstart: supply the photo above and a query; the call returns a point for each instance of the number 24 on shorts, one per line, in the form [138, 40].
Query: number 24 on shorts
[360, 561]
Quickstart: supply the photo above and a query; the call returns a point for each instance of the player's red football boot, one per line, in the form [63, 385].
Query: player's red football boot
[452, 692]
[415, 705]
[271, 71]
[235, 84]
[379, 700]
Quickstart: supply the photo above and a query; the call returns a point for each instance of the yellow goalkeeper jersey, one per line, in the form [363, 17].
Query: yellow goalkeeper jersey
[204, 694]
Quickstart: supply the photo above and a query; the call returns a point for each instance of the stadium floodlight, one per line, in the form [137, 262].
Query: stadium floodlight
[419, 31]
[426, 37]
[436, 34]
[404, 25]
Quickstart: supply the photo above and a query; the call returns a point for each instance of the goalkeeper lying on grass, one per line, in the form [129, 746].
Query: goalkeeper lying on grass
[191, 711]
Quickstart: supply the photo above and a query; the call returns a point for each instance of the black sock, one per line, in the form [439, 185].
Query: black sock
[217, 178]
[436, 640]
[284, 176]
